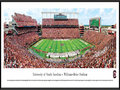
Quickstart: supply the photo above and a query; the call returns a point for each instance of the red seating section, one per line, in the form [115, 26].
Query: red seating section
[26, 39]
[98, 39]
[23, 20]
[60, 33]
[16, 56]
[57, 22]
[24, 23]
[26, 30]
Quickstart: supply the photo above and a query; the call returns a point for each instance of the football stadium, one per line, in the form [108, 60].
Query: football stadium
[58, 42]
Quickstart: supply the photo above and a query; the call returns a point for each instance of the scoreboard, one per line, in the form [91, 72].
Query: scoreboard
[60, 16]
[94, 22]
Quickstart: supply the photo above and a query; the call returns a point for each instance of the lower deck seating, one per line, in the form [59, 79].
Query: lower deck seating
[16, 54]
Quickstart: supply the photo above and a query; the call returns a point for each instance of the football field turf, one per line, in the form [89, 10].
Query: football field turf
[60, 46]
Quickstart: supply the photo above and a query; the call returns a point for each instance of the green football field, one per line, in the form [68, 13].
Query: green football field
[58, 46]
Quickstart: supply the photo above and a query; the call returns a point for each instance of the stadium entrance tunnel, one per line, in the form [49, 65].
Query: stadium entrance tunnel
[60, 50]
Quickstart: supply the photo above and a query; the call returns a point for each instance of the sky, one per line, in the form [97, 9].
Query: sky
[108, 15]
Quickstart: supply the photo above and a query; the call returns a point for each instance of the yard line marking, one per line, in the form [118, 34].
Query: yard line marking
[38, 43]
[84, 42]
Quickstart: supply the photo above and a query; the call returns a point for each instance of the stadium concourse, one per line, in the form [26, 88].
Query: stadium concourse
[16, 46]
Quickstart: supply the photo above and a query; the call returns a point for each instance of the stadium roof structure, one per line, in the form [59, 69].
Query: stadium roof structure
[95, 18]
[68, 14]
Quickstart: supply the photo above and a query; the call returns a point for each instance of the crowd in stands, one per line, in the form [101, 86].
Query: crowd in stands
[15, 51]
[24, 23]
[60, 33]
[26, 39]
[17, 56]
[23, 20]
[51, 22]
[100, 40]
[26, 30]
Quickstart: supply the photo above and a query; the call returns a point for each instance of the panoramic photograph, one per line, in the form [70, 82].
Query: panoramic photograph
[60, 38]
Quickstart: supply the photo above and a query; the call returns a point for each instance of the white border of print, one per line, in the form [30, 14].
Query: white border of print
[8, 73]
